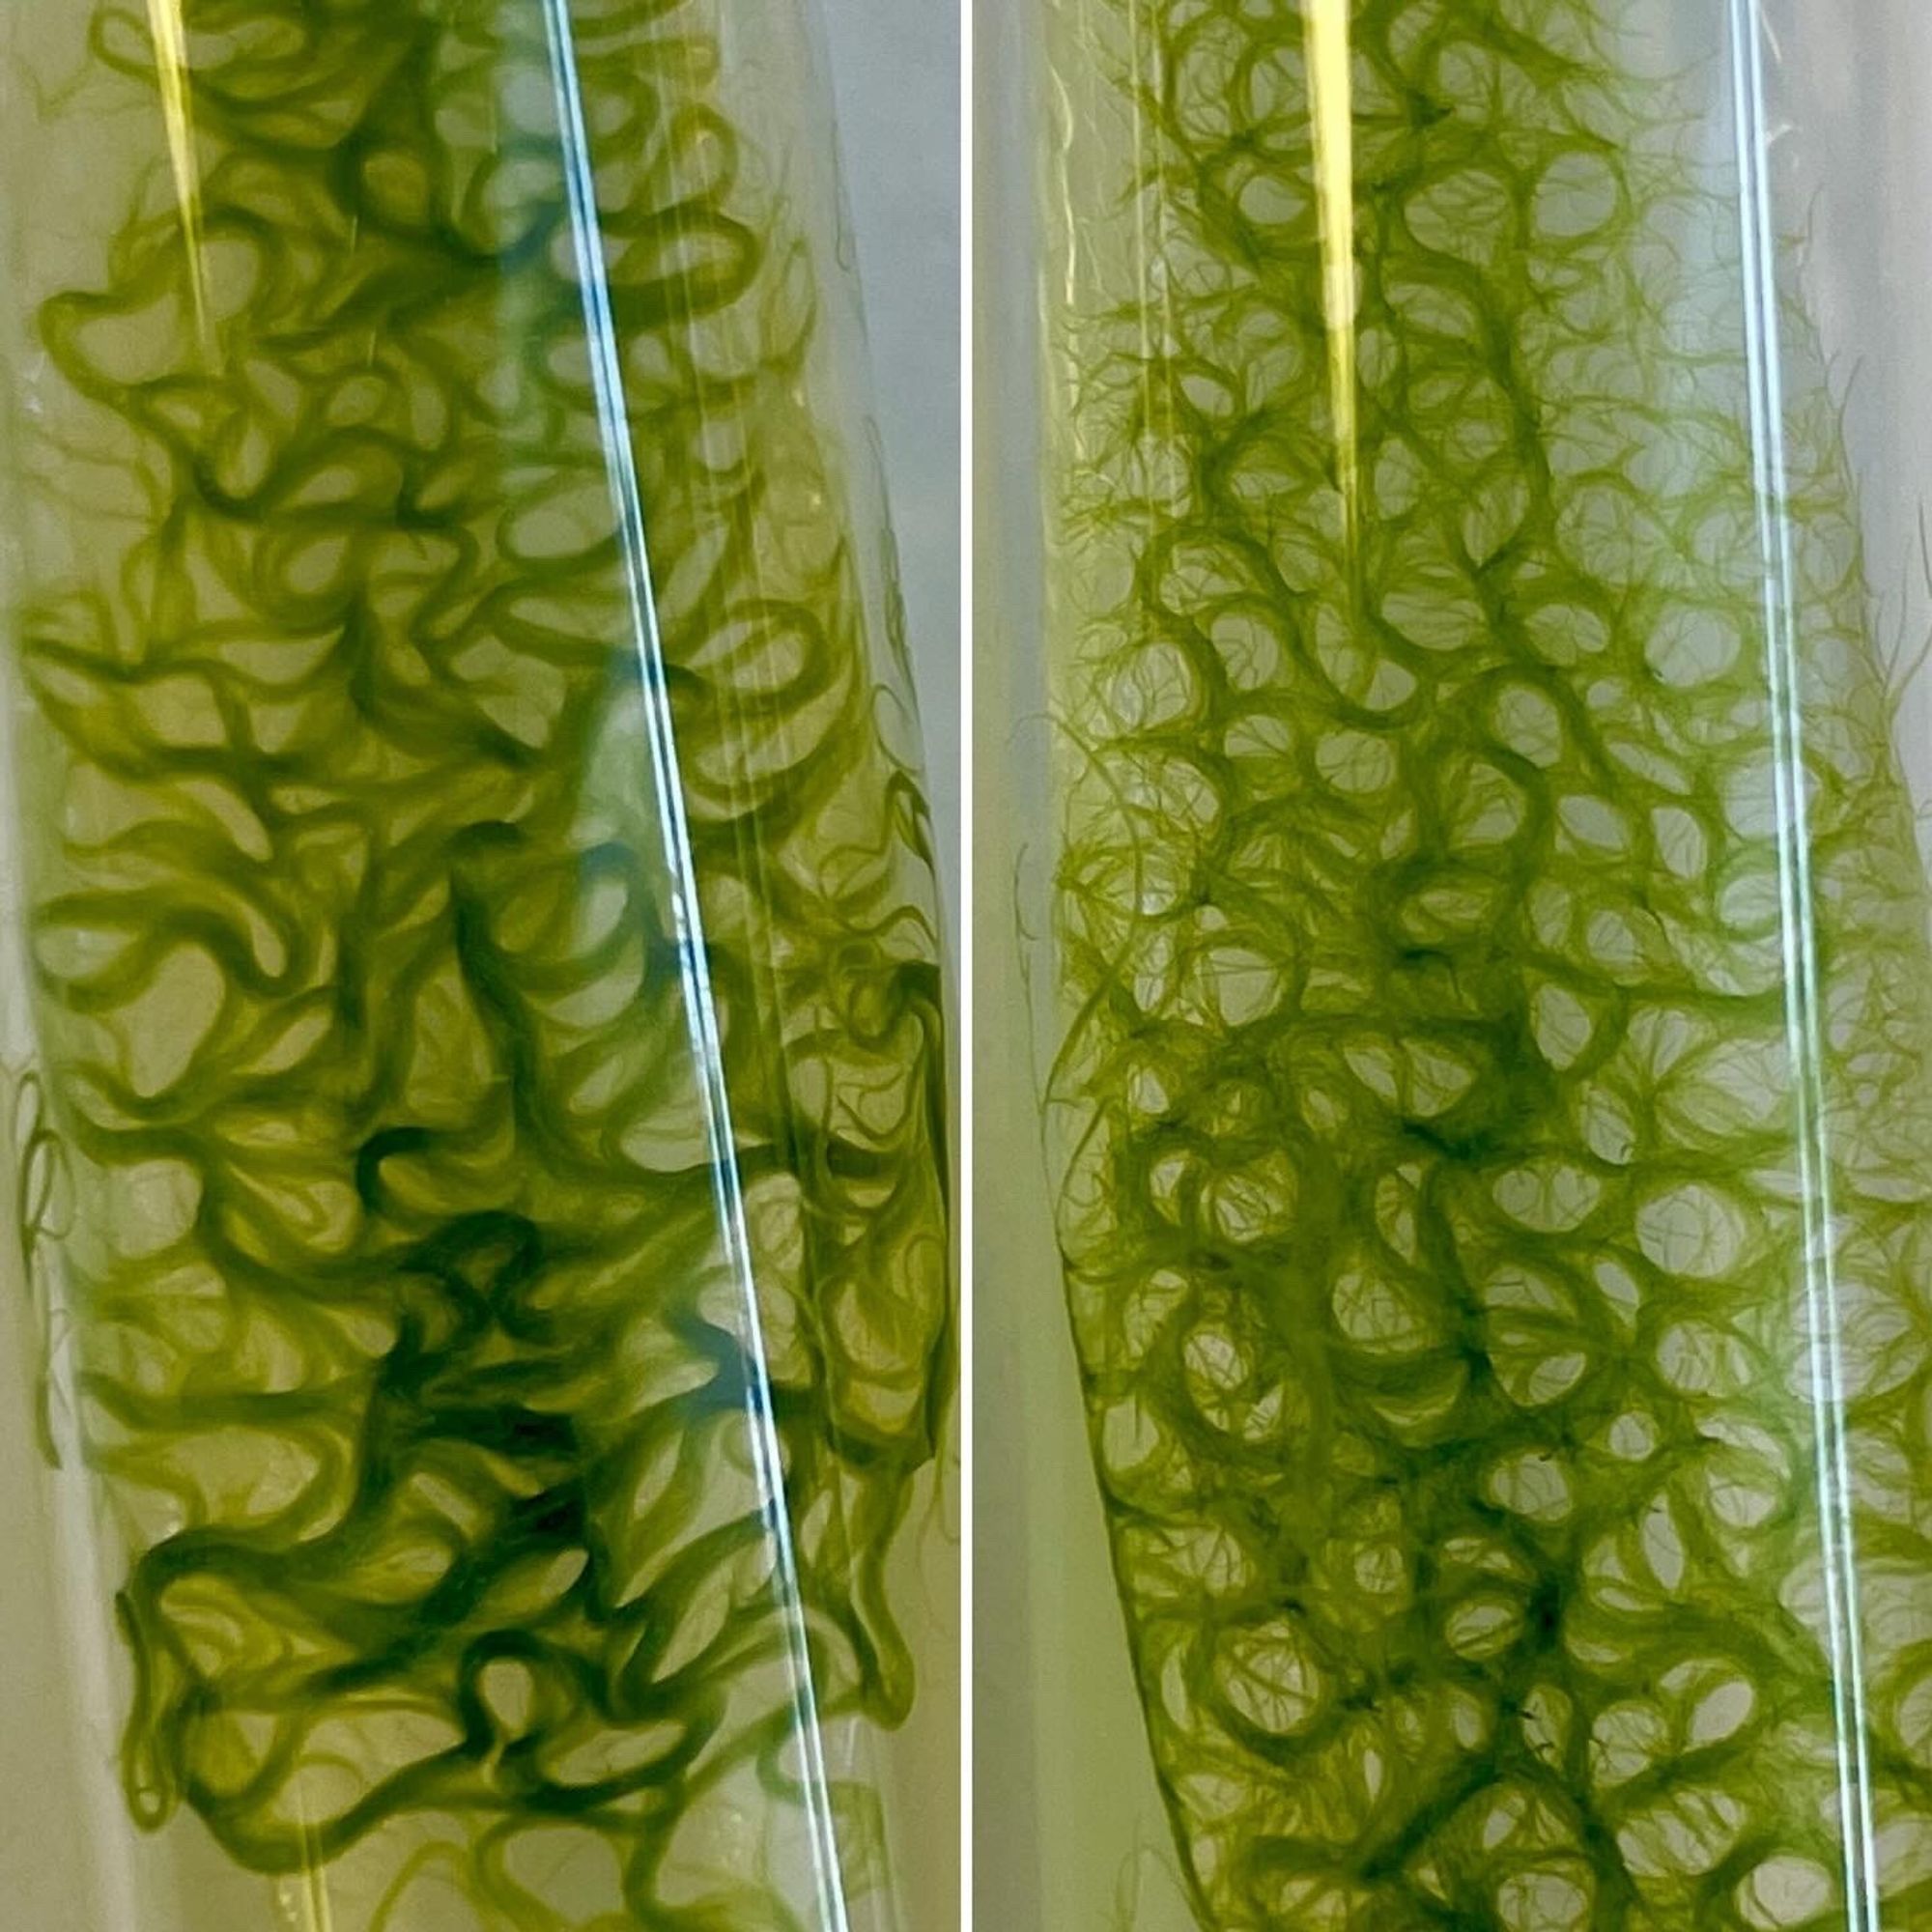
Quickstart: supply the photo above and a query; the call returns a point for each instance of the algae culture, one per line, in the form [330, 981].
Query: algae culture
[1491, 1101]
[484, 961]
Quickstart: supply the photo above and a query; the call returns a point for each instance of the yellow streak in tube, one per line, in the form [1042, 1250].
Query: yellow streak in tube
[164, 17]
[317, 1916]
[1331, 112]
[310, 1906]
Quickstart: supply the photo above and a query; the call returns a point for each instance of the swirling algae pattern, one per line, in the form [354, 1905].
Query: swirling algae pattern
[1433, 1219]
[409, 1358]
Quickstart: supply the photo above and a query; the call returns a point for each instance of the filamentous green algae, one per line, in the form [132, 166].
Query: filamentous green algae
[1493, 1091]
[434, 436]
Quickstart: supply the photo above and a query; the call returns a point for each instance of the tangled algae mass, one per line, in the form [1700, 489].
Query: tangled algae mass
[1496, 1210]
[411, 1284]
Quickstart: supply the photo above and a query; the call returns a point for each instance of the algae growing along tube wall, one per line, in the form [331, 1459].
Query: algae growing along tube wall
[474, 1036]
[1489, 968]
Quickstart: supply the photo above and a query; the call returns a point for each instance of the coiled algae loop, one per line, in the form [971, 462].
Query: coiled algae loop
[33, 1152]
[484, 960]
[1492, 1094]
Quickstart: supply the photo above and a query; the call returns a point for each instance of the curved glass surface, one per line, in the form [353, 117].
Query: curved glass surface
[1483, 952]
[474, 1039]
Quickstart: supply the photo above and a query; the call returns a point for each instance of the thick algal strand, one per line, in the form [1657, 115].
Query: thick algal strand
[1434, 1220]
[408, 1351]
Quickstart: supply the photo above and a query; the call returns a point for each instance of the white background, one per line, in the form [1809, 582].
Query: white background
[896, 77]
[895, 73]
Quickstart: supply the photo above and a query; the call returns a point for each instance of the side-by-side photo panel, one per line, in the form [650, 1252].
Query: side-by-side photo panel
[965, 966]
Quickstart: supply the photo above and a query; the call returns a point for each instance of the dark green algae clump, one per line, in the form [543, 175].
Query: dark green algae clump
[1496, 1205]
[409, 1295]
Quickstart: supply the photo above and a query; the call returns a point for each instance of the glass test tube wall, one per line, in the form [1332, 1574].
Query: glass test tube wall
[1485, 952]
[475, 1045]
